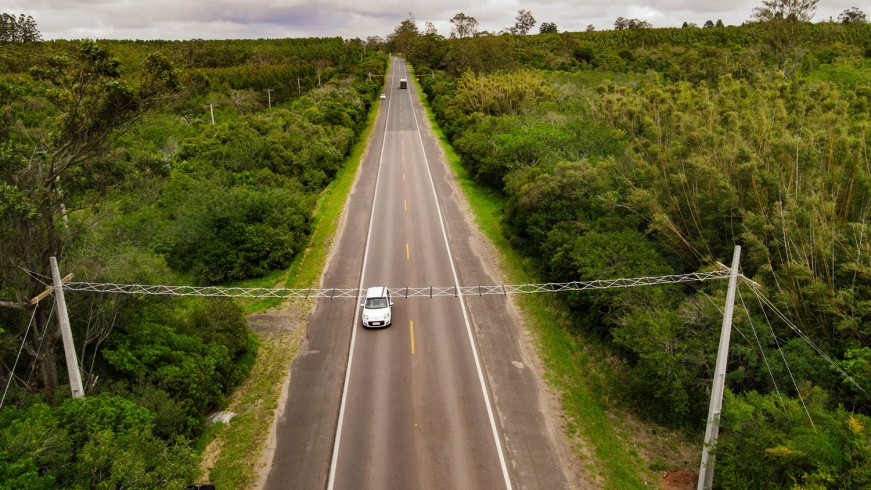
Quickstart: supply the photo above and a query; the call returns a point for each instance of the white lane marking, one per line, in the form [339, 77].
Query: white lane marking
[334, 460]
[484, 390]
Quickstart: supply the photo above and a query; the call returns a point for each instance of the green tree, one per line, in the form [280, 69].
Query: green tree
[98, 441]
[523, 23]
[33, 446]
[18, 30]
[852, 16]
[463, 26]
[185, 366]
[782, 21]
[404, 35]
[548, 28]
[792, 10]
[623, 24]
[769, 441]
[60, 164]
[115, 446]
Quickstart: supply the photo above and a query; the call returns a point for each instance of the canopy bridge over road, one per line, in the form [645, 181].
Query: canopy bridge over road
[398, 292]
[59, 286]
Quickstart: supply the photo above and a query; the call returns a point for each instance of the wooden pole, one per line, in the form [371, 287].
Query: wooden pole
[66, 333]
[712, 431]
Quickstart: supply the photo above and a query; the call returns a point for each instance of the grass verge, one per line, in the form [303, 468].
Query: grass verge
[575, 370]
[231, 452]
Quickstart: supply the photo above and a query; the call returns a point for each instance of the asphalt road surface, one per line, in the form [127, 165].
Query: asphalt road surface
[443, 397]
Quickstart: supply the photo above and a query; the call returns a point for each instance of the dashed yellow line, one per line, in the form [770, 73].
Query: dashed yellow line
[407, 252]
[412, 336]
[405, 204]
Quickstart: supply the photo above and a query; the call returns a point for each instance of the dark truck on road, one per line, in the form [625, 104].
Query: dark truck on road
[403, 83]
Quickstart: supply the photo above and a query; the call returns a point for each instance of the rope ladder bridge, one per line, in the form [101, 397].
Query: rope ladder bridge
[398, 292]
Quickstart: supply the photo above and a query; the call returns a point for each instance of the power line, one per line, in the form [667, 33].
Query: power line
[399, 292]
[17, 357]
[763, 299]
[764, 357]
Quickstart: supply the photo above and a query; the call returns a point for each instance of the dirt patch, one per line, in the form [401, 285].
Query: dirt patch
[273, 322]
[210, 456]
[657, 445]
[679, 480]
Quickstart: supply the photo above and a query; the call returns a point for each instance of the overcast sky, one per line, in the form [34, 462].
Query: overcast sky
[235, 19]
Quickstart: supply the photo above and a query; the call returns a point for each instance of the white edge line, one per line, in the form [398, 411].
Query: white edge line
[484, 390]
[338, 439]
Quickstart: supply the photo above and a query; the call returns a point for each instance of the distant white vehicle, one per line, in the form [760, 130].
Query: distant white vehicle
[377, 307]
[383, 96]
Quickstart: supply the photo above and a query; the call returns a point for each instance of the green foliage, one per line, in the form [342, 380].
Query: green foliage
[221, 234]
[196, 363]
[18, 30]
[221, 321]
[502, 94]
[768, 441]
[674, 346]
[31, 441]
[94, 442]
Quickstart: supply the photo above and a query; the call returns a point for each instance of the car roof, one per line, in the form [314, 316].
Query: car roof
[376, 292]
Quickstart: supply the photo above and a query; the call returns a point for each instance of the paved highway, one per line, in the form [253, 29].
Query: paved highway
[410, 406]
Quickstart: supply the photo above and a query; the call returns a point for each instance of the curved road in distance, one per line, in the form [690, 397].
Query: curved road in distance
[414, 407]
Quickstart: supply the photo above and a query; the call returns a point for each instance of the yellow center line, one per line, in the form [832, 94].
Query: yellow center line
[407, 252]
[405, 204]
[412, 336]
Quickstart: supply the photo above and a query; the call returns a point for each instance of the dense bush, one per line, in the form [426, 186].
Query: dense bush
[774, 440]
[101, 441]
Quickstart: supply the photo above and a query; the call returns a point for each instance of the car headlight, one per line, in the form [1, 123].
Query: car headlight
[366, 317]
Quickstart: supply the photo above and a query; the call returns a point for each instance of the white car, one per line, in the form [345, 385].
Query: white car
[377, 307]
[383, 96]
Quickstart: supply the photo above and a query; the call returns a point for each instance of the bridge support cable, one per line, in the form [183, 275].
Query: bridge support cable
[410, 292]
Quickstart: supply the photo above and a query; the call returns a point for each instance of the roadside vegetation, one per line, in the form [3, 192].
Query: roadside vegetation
[157, 163]
[644, 152]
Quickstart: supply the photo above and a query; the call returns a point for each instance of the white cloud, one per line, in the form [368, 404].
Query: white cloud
[228, 19]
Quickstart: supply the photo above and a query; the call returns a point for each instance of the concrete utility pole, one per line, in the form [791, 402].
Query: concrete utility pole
[706, 471]
[66, 333]
[269, 93]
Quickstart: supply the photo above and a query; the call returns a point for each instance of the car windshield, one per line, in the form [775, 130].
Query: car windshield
[374, 303]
